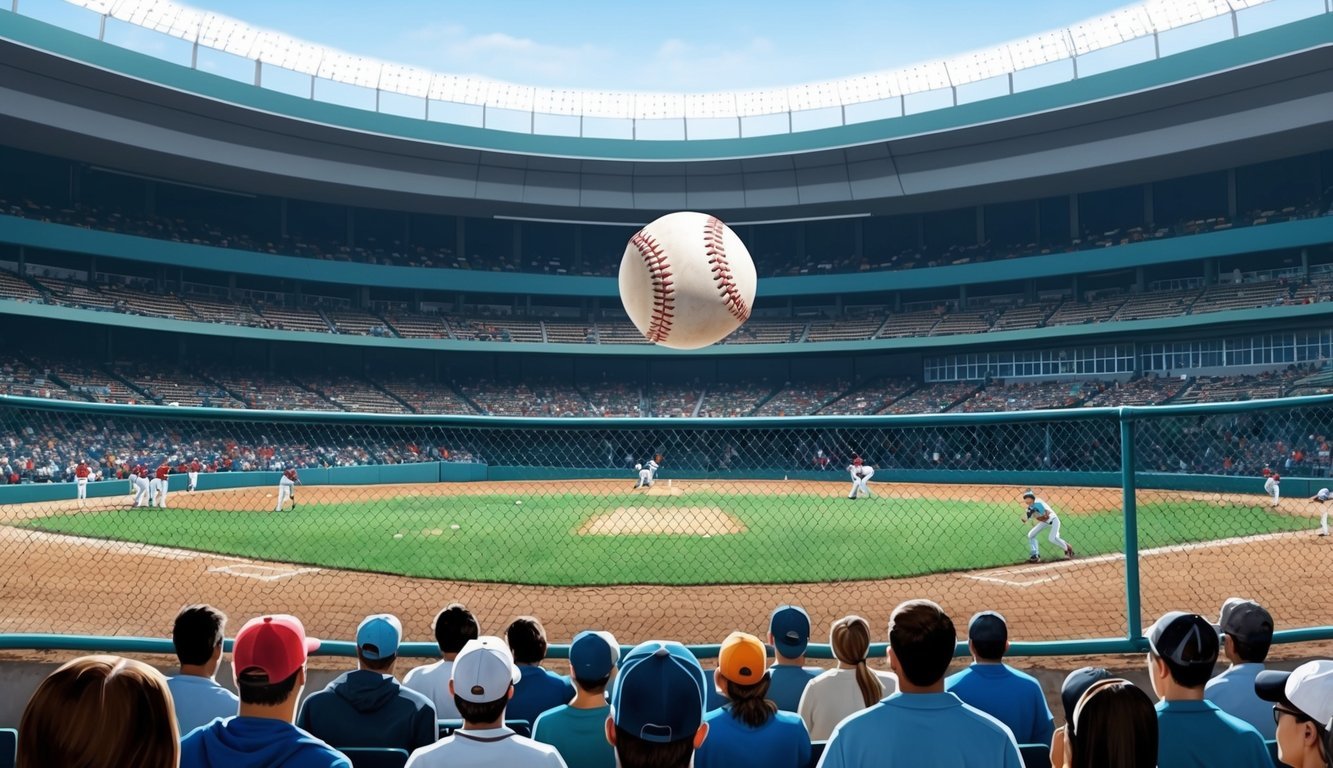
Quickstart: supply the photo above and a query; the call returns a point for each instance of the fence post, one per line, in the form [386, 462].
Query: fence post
[1133, 612]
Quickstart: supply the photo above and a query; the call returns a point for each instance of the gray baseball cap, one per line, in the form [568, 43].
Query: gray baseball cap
[1245, 620]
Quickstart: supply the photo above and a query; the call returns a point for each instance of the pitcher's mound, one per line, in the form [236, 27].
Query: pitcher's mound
[659, 489]
[671, 521]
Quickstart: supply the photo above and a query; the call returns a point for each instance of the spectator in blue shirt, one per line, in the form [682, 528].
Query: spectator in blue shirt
[990, 685]
[578, 730]
[657, 708]
[921, 726]
[197, 637]
[750, 730]
[1247, 633]
[1302, 702]
[1193, 732]
[789, 634]
[1113, 725]
[538, 690]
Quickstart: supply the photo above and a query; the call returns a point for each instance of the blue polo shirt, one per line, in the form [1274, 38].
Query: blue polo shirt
[200, 701]
[921, 730]
[537, 691]
[1012, 697]
[579, 735]
[1233, 693]
[788, 683]
[1196, 734]
[782, 742]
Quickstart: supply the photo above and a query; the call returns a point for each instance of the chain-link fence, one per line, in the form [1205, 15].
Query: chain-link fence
[686, 529]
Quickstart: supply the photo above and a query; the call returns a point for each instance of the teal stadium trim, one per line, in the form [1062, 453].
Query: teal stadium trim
[1228, 54]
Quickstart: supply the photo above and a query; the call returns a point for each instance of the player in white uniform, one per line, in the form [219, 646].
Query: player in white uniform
[647, 474]
[861, 474]
[1322, 497]
[1046, 518]
[193, 474]
[1271, 487]
[139, 482]
[287, 488]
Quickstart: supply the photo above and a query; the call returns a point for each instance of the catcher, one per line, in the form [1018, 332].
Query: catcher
[1046, 518]
[861, 474]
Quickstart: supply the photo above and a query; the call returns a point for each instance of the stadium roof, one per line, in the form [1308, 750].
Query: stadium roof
[273, 49]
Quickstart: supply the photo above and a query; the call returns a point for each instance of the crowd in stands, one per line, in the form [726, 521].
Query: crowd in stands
[489, 701]
[398, 253]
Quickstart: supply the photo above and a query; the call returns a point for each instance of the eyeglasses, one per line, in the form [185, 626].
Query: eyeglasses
[1279, 711]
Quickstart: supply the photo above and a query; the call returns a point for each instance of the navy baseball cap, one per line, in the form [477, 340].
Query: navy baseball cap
[593, 655]
[1076, 684]
[659, 696]
[790, 625]
[988, 627]
[1178, 634]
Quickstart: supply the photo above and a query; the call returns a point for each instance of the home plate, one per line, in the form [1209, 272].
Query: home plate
[262, 572]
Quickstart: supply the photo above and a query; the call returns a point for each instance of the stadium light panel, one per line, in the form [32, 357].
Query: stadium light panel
[617, 105]
[551, 101]
[510, 96]
[226, 34]
[459, 89]
[868, 88]
[1039, 49]
[345, 68]
[923, 77]
[659, 106]
[409, 81]
[979, 65]
[1169, 14]
[1118, 26]
[102, 7]
[765, 102]
[161, 16]
[288, 52]
[814, 96]
[703, 106]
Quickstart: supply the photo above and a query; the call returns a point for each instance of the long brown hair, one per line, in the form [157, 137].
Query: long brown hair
[750, 703]
[100, 712]
[850, 638]
[1114, 726]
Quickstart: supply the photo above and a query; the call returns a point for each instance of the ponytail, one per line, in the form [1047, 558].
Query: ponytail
[850, 638]
[750, 703]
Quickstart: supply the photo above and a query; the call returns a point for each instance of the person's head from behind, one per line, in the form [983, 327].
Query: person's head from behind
[197, 637]
[269, 656]
[1303, 709]
[921, 645]
[592, 659]
[1114, 725]
[454, 626]
[482, 680]
[988, 637]
[377, 640]
[1181, 656]
[657, 708]
[100, 712]
[1076, 684]
[527, 640]
[789, 632]
[850, 639]
[1246, 629]
[743, 676]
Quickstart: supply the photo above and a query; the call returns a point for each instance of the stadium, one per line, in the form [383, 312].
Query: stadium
[369, 354]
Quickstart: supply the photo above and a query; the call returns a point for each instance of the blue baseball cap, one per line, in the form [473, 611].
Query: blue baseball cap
[593, 655]
[659, 696]
[378, 636]
[790, 625]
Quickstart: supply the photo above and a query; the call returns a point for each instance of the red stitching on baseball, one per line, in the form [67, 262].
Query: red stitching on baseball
[717, 256]
[664, 293]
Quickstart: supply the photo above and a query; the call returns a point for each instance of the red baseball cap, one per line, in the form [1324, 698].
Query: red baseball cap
[275, 645]
[856, 460]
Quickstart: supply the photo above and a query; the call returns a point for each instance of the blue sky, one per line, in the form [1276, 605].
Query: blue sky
[680, 45]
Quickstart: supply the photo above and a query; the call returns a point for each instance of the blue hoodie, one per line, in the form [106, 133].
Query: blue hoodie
[369, 709]
[256, 742]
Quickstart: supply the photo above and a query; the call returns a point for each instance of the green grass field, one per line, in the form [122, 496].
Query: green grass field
[789, 538]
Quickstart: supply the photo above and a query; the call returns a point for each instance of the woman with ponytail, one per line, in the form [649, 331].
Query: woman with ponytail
[749, 730]
[849, 688]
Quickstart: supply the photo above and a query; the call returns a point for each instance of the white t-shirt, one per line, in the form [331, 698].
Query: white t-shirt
[832, 696]
[432, 681]
[486, 749]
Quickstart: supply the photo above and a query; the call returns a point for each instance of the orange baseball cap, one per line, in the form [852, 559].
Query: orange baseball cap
[743, 659]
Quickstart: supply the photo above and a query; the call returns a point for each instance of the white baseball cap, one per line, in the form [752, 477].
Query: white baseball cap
[484, 670]
[1308, 688]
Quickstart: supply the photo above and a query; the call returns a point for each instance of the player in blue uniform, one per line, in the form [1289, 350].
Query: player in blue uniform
[1046, 518]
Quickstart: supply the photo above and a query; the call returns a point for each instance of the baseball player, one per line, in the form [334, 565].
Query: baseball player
[81, 474]
[193, 474]
[1322, 497]
[157, 487]
[287, 488]
[1046, 518]
[139, 482]
[861, 474]
[1271, 487]
[647, 473]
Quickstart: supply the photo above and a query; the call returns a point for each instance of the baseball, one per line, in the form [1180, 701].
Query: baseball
[686, 281]
[519, 502]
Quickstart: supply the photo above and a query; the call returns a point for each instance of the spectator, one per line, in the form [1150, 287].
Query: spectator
[482, 681]
[921, 726]
[1247, 633]
[1302, 707]
[269, 657]
[1075, 685]
[197, 637]
[578, 729]
[367, 707]
[657, 708]
[789, 634]
[1191, 731]
[750, 730]
[539, 689]
[1113, 726]
[454, 626]
[990, 685]
[100, 712]
[849, 688]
